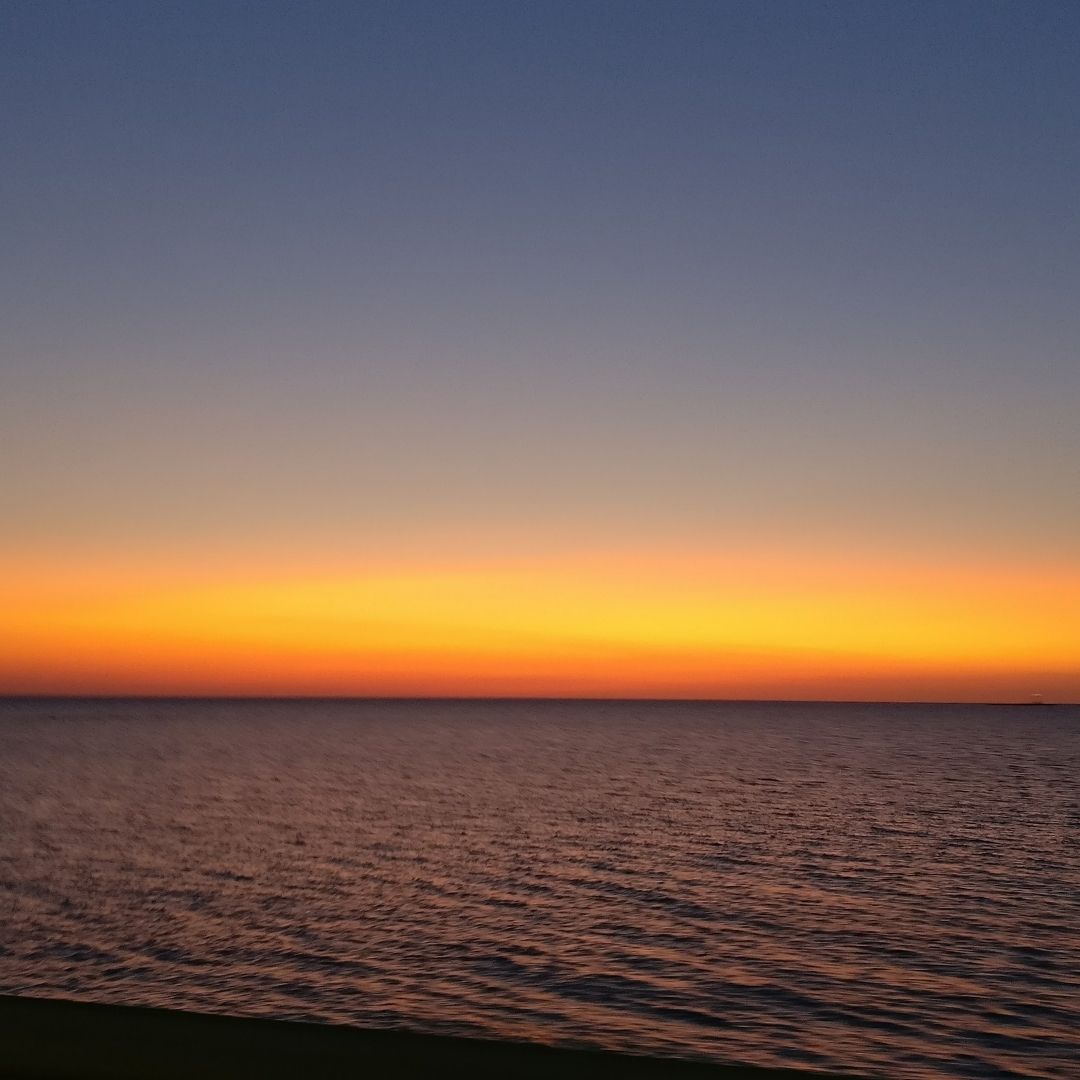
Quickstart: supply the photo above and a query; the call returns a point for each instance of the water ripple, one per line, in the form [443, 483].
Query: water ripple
[888, 890]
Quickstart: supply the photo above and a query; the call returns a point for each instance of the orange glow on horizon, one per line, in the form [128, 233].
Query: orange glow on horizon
[737, 624]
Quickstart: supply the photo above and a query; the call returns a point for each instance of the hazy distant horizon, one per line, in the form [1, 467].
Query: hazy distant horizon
[1041, 702]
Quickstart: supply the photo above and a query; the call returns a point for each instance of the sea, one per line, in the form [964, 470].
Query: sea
[884, 890]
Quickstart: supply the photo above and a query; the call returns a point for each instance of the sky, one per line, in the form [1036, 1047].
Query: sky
[616, 349]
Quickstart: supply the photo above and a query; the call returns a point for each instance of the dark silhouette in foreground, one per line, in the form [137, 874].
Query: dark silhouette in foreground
[42, 1038]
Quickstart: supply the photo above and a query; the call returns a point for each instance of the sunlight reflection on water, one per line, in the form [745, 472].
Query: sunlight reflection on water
[885, 889]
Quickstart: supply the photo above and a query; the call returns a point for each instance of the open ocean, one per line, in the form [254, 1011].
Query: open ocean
[885, 889]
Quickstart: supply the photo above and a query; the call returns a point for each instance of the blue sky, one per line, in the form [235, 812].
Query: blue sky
[361, 272]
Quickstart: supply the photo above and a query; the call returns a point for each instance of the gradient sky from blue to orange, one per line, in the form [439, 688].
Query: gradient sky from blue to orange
[336, 291]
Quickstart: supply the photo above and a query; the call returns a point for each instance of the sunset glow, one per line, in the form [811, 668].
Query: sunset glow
[646, 350]
[681, 625]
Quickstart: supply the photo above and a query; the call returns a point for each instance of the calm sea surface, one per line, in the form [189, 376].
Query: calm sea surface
[887, 889]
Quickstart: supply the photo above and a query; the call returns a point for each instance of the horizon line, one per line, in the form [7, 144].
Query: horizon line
[1036, 700]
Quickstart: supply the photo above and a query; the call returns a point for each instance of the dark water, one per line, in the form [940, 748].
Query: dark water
[892, 890]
